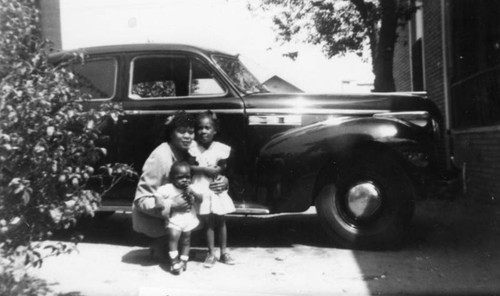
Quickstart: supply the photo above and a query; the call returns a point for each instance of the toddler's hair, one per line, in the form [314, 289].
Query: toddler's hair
[176, 165]
[211, 115]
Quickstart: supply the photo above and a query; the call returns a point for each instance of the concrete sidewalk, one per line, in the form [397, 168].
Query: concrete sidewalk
[454, 250]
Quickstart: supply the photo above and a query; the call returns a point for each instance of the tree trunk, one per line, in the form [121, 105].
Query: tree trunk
[383, 62]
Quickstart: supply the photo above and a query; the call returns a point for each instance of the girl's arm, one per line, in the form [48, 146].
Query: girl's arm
[197, 169]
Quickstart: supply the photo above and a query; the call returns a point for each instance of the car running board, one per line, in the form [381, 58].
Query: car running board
[241, 209]
[250, 209]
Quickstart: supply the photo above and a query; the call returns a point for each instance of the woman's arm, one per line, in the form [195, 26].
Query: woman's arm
[220, 184]
[154, 174]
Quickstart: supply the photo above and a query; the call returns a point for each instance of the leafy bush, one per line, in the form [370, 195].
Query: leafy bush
[48, 151]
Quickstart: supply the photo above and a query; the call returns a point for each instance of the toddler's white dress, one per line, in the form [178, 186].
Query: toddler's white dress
[219, 204]
[181, 220]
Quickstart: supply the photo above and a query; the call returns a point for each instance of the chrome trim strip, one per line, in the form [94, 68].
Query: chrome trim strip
[169, 112]
[262, 111]
[306, 111]
[293, 120]
[116, 208]
[403, 113]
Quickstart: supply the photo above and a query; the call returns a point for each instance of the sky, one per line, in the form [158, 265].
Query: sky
[225, 25]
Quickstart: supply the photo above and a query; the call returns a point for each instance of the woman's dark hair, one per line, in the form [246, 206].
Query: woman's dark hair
[212, 116]
[179, 119]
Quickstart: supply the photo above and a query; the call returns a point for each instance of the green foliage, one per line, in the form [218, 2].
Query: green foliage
[336, 25]
[13, 277]
[48, 148]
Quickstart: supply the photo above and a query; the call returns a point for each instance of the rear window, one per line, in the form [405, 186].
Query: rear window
[98, 77]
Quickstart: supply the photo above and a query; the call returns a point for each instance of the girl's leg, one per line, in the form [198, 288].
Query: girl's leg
[222, 233]
[209, 232]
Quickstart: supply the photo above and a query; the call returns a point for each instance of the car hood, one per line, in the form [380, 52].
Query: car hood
[344, 103]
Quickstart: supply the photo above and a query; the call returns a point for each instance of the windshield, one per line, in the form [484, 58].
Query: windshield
[239, 74]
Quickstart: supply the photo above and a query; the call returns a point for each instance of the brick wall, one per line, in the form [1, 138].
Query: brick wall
[476, 151]
[433, 56]
[478, 154]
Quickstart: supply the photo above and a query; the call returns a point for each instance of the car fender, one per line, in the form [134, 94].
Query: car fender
[290, 162]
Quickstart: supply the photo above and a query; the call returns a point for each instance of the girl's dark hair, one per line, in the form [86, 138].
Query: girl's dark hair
[211, 115]
[179, 119]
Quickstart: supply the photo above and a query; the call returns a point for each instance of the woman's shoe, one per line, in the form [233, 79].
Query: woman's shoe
[176, 266]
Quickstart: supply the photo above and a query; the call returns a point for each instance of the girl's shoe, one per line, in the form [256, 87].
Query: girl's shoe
[226, 259]
[175, 266]
[209, 261]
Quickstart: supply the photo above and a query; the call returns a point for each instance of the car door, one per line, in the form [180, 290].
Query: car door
[162, 83]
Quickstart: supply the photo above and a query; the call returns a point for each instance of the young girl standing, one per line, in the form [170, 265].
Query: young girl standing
[211, 157]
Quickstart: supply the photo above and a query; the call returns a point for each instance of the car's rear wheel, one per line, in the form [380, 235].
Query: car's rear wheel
[369, 204]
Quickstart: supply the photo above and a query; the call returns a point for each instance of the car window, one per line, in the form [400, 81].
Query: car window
[171, 76]
[97, 77]
[203, 82]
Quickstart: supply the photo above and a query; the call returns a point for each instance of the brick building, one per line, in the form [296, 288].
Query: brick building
[451, 49]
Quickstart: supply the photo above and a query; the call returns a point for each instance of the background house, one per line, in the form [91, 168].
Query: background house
[451, 49]
[278, 84]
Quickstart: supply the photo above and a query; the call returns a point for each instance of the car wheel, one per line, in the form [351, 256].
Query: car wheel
[369, 205]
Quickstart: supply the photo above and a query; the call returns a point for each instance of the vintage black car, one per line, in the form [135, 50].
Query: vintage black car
[362, 160]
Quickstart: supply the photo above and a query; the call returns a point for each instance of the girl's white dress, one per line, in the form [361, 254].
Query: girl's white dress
[219, 204]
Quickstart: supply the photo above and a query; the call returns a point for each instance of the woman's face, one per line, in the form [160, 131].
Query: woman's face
[182, 137]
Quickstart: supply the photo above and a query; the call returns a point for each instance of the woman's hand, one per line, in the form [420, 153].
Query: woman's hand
[220, 184]
[212, 172]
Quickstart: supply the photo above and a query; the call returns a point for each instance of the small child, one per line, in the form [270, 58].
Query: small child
[211, 159]
[179, 223]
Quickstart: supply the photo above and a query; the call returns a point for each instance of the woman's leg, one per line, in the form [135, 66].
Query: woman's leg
[158, 249]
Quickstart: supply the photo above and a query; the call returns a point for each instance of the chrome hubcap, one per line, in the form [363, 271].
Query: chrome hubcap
[363, 200]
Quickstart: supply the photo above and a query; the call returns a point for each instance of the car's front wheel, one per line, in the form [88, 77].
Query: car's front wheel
[369, 204]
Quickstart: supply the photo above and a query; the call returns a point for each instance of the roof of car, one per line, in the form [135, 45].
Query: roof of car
[124, 48]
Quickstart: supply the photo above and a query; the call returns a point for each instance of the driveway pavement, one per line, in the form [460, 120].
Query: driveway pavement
[454, 249]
